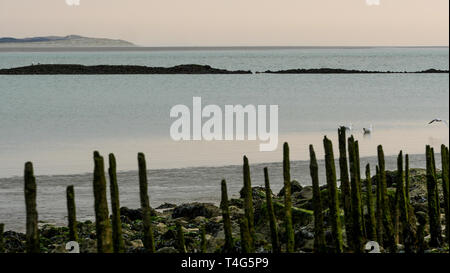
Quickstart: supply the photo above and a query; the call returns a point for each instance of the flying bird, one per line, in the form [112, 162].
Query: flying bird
[439, 120]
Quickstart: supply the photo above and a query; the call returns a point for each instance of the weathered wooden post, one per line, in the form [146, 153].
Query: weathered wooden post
[245, 236]
[2, 240]
[319, 233]
[180, 239]
[379, 212]
[388, 228]
[276, 248]
[248, 203]
[102, 224]
[407, 180]
[118, 243]
[290, 245]
[445, 189]
[403, 203]
[32, 231]
[345, 185]
[229, 246]
[72, 214]
[333, 196]
[372, 227]
[357, 228]
[433, 208]
[203, 241]
[358, 169]
[149, 242]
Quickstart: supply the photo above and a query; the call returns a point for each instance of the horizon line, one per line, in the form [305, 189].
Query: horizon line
[237, 47]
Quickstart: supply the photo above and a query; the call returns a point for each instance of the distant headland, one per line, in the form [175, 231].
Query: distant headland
[62, 41]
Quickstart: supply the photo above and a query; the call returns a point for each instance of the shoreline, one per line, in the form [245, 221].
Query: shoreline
[195, 216]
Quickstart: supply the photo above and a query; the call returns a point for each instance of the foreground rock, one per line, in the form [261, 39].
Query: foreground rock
[76, 69]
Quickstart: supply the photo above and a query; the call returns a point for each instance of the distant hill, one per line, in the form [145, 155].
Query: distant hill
[67, 41]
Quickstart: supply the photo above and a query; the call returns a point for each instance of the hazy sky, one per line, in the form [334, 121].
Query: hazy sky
[234, 22]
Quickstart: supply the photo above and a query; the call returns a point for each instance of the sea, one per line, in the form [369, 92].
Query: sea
[57, 121]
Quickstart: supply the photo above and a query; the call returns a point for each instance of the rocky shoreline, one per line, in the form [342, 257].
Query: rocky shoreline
[196, 219]
[76, 69]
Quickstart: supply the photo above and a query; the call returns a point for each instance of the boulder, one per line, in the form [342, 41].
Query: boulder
[134, 214]
[194, 210]
[295, 187]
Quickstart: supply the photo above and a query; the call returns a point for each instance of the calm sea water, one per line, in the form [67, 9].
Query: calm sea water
[57, 121]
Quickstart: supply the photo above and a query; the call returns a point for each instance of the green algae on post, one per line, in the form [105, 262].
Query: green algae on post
[333, 197]
[149, 242]
[319, 234]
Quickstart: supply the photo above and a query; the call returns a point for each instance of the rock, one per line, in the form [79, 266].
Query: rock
[213, 227]
[167, 250]
[14, 242]
[137, 244]
[161, 228]
[88, 245]
[306, 193]
[239, 203]
[258, 193]
[199, 220]
[295, 187]
[166, 206]
[134, 214]
[235, 212]
[302, 237]
[194, 210]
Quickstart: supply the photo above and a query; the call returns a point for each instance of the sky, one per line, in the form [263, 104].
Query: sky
[234, 22]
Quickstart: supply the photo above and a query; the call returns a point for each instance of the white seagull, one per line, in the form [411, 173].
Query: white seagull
[439, 120]
[368, 130]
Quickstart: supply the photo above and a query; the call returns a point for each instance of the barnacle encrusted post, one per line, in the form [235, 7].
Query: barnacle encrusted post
[333, 196]
[71, 214]
[287, 200]
[276, 248]
[118, 243]
[102, 224]
[149, 242]
[32, 231]
[319, 234]
[228, 247]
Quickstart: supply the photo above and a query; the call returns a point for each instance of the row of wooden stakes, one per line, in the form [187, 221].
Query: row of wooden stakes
[385, 223]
